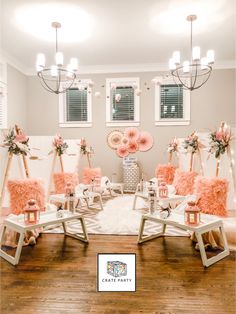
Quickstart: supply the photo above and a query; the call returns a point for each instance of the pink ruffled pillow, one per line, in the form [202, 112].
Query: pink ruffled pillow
[184, 181]
[23, 190]
[61, 178]
[167, 171]
[213, 195]
[90, 173]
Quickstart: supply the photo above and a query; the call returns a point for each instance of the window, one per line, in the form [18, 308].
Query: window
[172, 104]
[122, 103]
[75, 106]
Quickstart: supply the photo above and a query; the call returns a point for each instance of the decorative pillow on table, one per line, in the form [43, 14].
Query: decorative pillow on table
[184, 181]
[213, 195]
[167, 171]
[90, 173]
[23, 190]
[61, 178]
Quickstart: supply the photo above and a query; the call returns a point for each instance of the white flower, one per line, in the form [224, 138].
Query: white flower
[22, 147]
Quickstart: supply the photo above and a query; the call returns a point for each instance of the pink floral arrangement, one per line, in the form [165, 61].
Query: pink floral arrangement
[17, 142]
[84, 148]
[220, 140]
[192, 143]
[173, 146]
[59, 144]
[133, 141]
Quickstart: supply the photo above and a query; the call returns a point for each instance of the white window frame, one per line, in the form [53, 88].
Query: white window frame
[186, 105]
[62, 110]
[125, 81]
[3, 93]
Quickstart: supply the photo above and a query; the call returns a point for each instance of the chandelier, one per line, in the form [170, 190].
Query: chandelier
[56, 79]
[196, 72]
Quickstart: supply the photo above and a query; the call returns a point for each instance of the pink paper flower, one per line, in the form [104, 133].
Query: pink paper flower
[132, 146]
[132, 133]
[145, 141]
[124, 140]
[122, 151]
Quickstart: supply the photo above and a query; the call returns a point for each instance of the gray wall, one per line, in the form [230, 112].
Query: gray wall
[211, 104]
[16, 97]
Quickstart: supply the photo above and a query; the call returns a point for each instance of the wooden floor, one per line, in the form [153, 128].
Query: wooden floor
[58, 275]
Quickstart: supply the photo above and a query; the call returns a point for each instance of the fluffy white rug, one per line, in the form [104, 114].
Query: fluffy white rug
[118, 218]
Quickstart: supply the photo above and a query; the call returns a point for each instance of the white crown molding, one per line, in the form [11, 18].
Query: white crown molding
[113, 68]
[134, 68]
[13, 62]
[227, 64]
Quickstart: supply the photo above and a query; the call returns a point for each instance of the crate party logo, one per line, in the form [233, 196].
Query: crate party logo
[116, 272]
[116, 269]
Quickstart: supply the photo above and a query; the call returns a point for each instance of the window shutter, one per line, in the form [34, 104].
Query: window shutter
[76, 105]
[123, 110]
[171, 102]
[3, 106]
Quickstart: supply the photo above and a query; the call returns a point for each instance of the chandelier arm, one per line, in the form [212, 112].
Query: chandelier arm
[195, 77]
[72, 82]
[181, 81]
[59, 80]
[175, 81]
[204, 81]
[45, 85]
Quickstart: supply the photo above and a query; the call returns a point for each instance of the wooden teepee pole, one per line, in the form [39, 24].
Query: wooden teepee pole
[217, 166]
[200, 160]
[170, 157]
[191, 162]
[5, 178]
[51, 174]
[18, 130]
[232, 167]
[53, 170]
[61, 163]
[89, 160]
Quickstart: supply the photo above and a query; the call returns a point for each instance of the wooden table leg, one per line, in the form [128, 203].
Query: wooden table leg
[134, 203]
[142, 238]
[14, 260]
[83, 237]
[5, 178]
[100, 201]
[209, 261]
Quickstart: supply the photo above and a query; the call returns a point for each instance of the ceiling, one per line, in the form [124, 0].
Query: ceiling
[116, 34]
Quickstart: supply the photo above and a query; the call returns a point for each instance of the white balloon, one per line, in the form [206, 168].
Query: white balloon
[97, 94]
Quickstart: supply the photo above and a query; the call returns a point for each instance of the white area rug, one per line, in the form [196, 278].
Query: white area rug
[118, 218]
